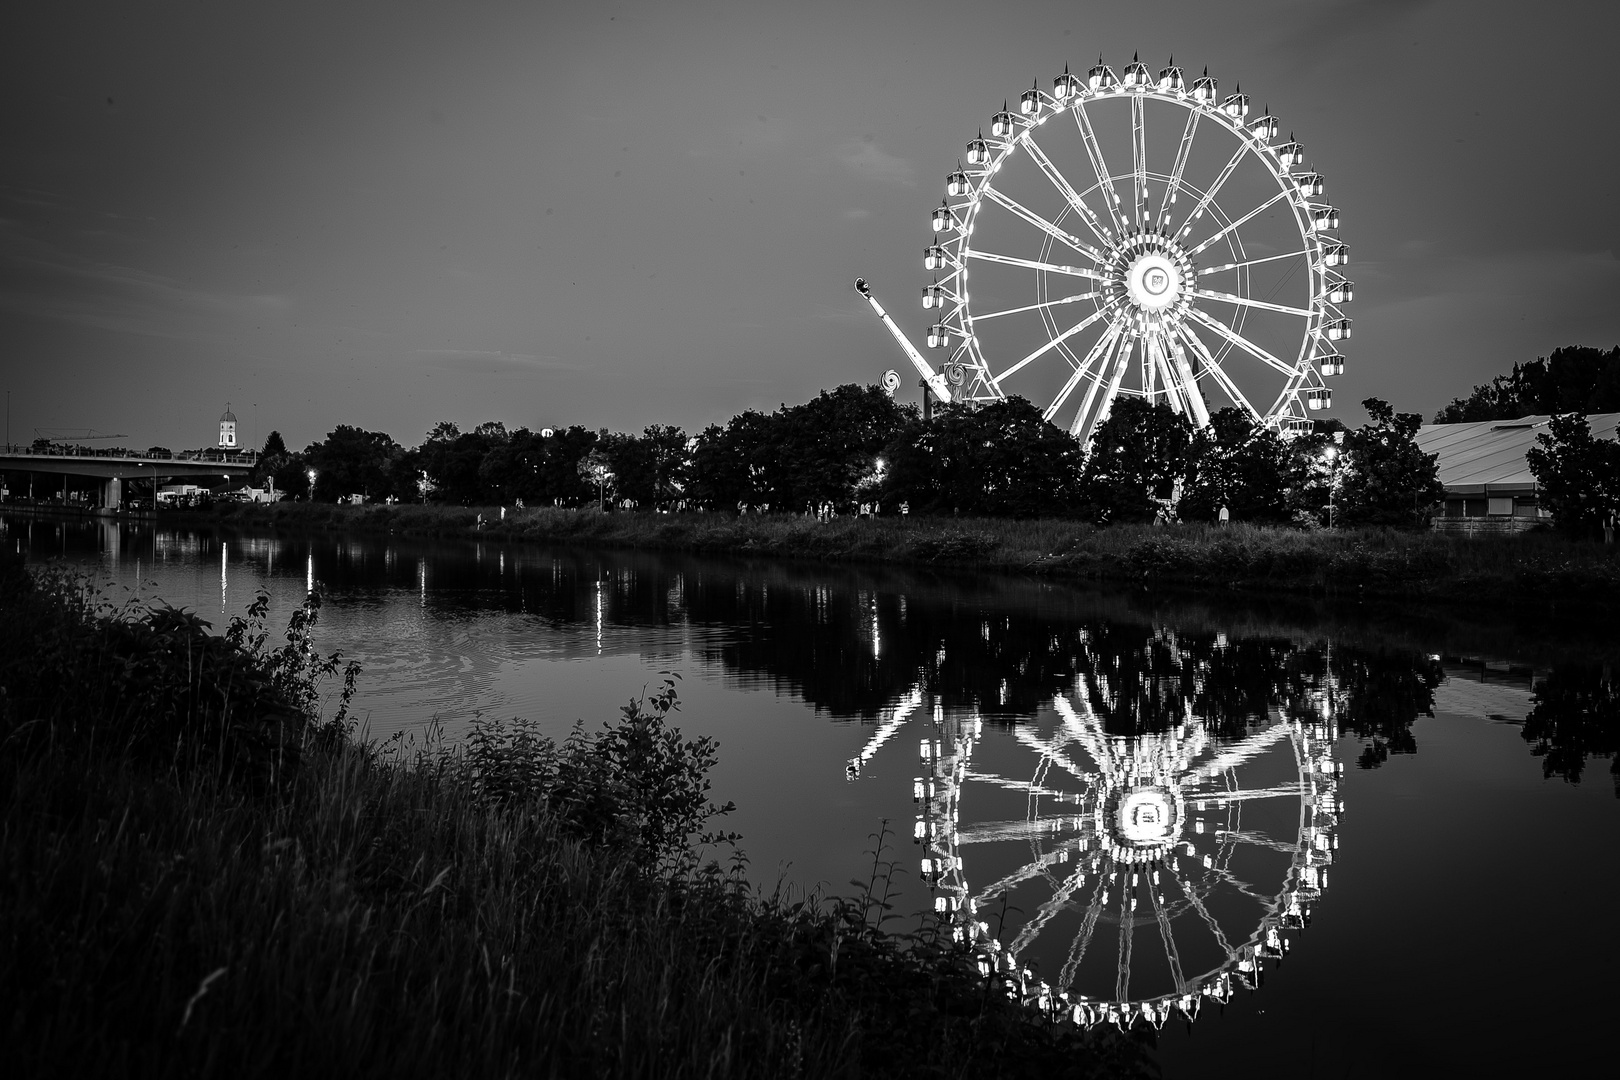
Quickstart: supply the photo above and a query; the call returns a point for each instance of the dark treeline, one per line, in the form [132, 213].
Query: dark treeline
[1574, 379]
[855, 449]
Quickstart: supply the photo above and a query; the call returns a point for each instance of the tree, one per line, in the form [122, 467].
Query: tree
[272, 458]
[627, 466]
[596, 468]
[828, 446]
[652, 468]
[560, 479]
[732, 466]
[1138, 455]
[1238, 464]
[1001, 458]
[452, 460]
[1579, 475]
[353, 461]
[1387, 479]
[1576, 378]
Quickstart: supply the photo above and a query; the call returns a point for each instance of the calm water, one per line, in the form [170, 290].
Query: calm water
[1347, 843]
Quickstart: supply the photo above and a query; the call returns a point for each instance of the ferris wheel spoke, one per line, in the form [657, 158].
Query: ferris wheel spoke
[1206, 271]
[1066, 189]
[1222, 798]
[1051, 750]
[1169, 938]
[1240, 341]
[1034, 264]
[1203, 912]
[1060, 899]
[1050, 345]
[1238, 224]
[1023, 787]
[1244, 301]
[1077, 297]
[1088, 929]
[1214, 189]
[1138, 159]
[1258, 839]
[1021, 875]
[1174, 186]
[1244, 751]
[1127, 930]
[1013, 205]
[995, 832]
[1218, 374]
[1094, 153]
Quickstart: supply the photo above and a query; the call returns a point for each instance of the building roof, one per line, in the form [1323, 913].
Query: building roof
[229, 416]
[1487, 456]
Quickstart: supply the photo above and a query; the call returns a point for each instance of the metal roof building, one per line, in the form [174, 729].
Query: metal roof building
[1482, 465]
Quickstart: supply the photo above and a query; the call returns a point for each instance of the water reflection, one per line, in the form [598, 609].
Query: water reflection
[1143, 872]
[1576, 716]
[1138, 801]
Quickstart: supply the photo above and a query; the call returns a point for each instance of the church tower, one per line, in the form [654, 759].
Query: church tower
[227, 429]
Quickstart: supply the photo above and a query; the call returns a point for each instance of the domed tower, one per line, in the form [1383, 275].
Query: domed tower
[227, 429]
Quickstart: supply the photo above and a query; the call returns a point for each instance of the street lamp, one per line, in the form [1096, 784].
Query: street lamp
[311, 475]
[1331, 456]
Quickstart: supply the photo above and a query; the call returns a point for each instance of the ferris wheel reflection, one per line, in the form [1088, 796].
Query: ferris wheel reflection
[1124, 878]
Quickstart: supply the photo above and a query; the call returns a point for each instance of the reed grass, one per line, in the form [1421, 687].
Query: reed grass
[171, 907]
[1535, 569]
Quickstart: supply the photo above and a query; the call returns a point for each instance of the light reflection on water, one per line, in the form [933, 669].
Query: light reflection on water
[1142, 805]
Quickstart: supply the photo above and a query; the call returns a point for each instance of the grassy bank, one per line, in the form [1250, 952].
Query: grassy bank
[1534, 570]
[204, 878]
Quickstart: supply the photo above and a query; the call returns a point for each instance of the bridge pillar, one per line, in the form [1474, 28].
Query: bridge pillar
[112, 493]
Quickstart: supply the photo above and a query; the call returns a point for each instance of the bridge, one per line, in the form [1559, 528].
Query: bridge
[116, 467]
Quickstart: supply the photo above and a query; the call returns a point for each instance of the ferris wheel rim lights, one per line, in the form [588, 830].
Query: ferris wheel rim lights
[1143, 267]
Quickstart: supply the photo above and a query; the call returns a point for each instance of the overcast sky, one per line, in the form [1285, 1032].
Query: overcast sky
[618, 214]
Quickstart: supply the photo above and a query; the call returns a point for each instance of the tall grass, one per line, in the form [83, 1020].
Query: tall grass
[207, 878]
[1534, 569]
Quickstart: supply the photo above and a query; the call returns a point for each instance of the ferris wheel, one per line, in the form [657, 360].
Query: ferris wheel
[1125, 234]
[1154, 873]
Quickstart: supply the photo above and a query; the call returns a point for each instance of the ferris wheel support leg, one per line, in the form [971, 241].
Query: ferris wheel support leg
[1106, 405]
[1097, 354]
[1175, 389]
[935, 381]
[1195, 400]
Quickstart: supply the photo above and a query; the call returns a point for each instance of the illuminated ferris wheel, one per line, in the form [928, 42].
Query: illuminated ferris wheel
[1125, 234]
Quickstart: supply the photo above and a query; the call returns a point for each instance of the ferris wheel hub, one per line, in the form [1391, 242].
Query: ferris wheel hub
[1152, 274]
[1143, 821]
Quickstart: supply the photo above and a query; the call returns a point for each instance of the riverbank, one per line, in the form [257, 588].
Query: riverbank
[205, 878]
[1539, 571]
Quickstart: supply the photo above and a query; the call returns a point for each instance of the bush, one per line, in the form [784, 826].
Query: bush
[636, 786]
[154, 684]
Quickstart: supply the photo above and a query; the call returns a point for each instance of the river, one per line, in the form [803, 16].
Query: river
[1296, 840]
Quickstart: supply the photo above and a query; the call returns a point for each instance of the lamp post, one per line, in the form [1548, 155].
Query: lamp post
[311, 475]
[1331, 455]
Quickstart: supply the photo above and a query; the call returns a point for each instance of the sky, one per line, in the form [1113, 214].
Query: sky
[622, 214]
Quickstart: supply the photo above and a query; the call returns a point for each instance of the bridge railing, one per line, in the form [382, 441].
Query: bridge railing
[224, 457]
